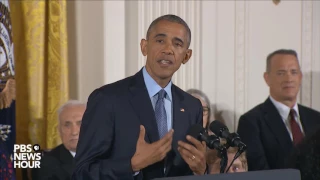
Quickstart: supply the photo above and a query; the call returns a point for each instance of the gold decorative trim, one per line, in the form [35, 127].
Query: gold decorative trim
[8, 94]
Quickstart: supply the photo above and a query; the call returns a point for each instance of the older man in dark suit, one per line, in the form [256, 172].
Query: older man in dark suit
[58, 164]
[127, 130]
[272, 129]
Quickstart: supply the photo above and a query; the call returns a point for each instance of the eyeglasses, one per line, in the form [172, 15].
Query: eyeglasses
[206, 110]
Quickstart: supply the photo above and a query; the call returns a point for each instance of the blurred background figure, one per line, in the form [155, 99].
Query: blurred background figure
[272, 129]
[205, 105]
[239, 165]
[208, 113]
[306, 157]
[59, 163]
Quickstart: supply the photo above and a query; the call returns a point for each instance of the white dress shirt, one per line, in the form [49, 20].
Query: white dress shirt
[284, 112]
[73, 153]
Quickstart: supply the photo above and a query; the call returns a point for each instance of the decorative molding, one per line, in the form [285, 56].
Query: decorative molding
[142, 15]
[306, 53]
[240, 65]
[315, 101]
[189, 75]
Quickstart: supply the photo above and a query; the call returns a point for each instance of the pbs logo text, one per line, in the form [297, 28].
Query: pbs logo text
[26, 156]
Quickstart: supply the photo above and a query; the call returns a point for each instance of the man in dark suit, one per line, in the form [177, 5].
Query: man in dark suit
[127, 130]
[58, 164]
[272, 129]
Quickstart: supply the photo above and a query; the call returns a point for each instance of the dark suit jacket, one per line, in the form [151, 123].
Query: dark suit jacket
[264, 132]
[57, 164]
[110, 129]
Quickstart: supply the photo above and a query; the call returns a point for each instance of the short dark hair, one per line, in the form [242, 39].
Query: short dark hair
[281, 52]
[170, 18]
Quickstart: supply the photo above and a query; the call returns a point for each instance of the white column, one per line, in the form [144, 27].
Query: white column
[240, 58]
[114, 41]
[315, 84]
[188, 76]
[306, 52]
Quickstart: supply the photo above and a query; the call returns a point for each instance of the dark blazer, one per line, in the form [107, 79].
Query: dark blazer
[57, 164]
[264, 132]
[110, 130]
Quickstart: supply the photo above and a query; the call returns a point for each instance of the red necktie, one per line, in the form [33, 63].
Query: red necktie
[297, 135]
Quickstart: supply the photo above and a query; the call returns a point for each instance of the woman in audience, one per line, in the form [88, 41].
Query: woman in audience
[205, 105]
[239, 165]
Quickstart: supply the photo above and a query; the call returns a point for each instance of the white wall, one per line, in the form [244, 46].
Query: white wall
[230, 41]
[86, 47]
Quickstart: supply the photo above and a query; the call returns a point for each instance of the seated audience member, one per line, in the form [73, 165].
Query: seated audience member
[306, 158]
[59, 163]
[239, 165]
[273, 128]
[205, 104]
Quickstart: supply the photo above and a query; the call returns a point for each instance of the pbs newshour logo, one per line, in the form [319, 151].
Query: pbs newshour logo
[26, 156]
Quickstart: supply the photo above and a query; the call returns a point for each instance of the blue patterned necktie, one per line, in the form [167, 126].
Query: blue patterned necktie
[161, 115]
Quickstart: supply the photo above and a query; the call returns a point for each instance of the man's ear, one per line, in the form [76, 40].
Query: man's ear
[266, 77]
[144, 47]
[187, 56]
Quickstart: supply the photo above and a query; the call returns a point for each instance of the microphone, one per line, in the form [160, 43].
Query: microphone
[212, 141]
[199, 133]
[233, 139]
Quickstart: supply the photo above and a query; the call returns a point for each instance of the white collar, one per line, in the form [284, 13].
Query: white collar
[283, 109]
[73, 153]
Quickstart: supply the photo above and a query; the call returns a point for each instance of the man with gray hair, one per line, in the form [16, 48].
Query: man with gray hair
[274, 128]
[59, 163]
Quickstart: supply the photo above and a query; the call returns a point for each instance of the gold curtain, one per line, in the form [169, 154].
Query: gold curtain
[40, 40]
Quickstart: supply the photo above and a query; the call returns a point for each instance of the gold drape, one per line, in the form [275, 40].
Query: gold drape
[40, 40]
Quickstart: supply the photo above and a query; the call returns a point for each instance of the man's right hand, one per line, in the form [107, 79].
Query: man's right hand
[147, 154]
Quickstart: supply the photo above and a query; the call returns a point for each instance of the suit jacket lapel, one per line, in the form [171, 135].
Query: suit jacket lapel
[276, 125]
[66, 159]
[142, 105]
[180, 116]
[303, 116]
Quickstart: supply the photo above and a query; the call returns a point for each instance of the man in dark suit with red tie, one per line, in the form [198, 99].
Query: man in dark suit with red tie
[272, 129]
[136, 128]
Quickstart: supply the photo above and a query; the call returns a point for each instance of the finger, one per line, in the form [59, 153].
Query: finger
[166, 138]
[163, 150]
[162, 146]
[168, 145]
[195, 142]
[204, 145]
[142, 133]
[186, 155]
[194, 151]
[195, 162]
[187, 146]
[165, 147]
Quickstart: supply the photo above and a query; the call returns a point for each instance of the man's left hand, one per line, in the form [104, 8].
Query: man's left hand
[194, 155]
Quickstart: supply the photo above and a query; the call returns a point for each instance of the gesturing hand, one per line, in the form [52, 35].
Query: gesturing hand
[147, 154]
[194, 155]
